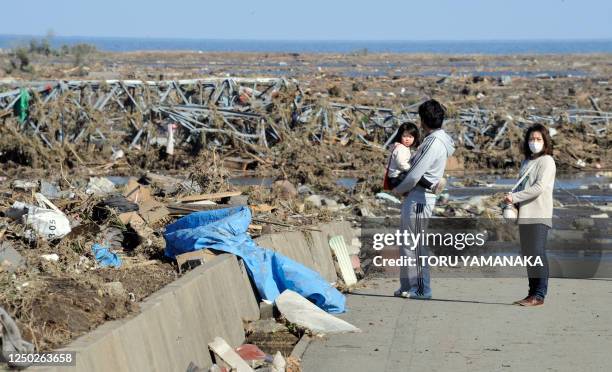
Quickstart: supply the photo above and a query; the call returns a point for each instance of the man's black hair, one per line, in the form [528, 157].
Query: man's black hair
[432, 114]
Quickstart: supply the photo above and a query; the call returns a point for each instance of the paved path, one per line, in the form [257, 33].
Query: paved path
[471, 326]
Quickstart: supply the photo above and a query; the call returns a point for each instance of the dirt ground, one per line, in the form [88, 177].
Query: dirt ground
[55, 302]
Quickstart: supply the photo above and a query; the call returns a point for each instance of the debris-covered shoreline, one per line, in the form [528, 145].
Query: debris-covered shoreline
[131, 108]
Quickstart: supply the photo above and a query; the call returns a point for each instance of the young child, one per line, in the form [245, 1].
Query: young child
[407, 137]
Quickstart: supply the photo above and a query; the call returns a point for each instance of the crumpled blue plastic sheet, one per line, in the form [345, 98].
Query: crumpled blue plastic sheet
[226, 230]
[105, 257]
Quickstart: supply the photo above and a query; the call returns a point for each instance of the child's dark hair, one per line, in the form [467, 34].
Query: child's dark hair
[412, 129]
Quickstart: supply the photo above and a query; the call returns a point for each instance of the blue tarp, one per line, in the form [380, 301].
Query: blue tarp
[226, 230]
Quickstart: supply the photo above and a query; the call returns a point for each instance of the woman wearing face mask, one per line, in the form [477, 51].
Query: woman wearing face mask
[534, 198]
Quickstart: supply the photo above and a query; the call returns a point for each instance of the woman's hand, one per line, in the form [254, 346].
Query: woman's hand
[508, 198]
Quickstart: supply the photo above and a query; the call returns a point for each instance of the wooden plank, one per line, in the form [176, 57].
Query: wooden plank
[180, 210]
[262, 208]
[218, 195]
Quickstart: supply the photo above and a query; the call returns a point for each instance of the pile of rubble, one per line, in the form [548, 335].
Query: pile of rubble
[84, 122]
[96, 242]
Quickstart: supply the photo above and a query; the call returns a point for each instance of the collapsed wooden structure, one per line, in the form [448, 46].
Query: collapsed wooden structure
[254, 112]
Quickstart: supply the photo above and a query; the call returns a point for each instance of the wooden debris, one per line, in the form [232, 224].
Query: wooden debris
[136, 192]
[153, 211]
[262, 208]
[214, 196]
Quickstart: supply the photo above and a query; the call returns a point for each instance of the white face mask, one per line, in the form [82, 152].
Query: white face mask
[536, 147]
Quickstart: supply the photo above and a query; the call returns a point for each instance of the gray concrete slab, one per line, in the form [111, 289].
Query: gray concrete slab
[470, 325]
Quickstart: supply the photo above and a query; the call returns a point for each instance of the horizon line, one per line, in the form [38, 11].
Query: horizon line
[602, 39]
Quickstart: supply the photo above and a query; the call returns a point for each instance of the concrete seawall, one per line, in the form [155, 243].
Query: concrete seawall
[310, 248]
[176, 323]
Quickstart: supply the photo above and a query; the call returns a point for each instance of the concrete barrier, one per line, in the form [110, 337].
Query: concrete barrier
[176, 323]
[310, 248]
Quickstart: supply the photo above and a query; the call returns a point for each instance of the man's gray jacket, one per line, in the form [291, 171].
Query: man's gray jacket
[429, 160]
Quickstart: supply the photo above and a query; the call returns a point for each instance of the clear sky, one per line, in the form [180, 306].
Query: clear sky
[313, 19]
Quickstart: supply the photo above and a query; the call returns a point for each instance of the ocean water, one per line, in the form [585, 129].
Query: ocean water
[288, 46]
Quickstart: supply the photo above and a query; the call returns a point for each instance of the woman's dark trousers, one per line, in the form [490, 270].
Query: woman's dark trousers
[533, 243]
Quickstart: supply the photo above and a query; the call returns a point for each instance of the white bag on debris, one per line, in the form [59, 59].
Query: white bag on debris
[100, 186]
[48, 223]
[304, 313]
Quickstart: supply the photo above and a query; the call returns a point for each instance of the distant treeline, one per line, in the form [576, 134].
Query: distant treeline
[43, 46]
[20, 57]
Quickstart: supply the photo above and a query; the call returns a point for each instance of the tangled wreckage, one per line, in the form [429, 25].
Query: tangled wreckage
[79, 120]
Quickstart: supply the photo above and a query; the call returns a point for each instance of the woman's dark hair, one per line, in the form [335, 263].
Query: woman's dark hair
[412, 129]
[548, 145]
